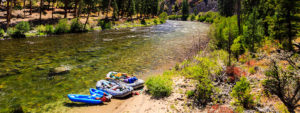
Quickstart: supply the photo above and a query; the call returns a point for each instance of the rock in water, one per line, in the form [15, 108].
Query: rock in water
[59, 70]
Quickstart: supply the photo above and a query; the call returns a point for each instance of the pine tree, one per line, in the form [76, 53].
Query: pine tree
[185, 10]
[9, 10]
[131, 9]
[116, 10]
[226, 7]
[253, 31]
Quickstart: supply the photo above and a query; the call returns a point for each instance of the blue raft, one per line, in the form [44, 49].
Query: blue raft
[100, 92]
[87, 98]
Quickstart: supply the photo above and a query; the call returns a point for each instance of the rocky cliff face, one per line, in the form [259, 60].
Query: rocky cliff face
[212, 5]
[195, 5]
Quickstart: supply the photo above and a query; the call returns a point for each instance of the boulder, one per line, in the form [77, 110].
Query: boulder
[59, 70]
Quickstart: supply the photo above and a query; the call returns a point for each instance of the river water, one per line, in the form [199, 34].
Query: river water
[25, 63]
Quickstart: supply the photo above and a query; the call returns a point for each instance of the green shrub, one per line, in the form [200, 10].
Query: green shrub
[41, 29]
[252, 70]
[2, 32]
[10, 31]
[14, 33]
[23, 27]
[241, 94]
[192, 17]
[49, 29]
[62, 26]
[155, 22]
[159, 86]
[77, 26]
[190, 93]
[20, 30]
[209, 20]
[201, 18]
[174, 17]
[204, 90]
[143, 21]
[163, 17]
[105, 24]
[202, 72]
[282, 80]
[237, 47]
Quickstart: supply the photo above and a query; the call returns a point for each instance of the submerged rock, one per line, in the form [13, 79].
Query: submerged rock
[59, 70]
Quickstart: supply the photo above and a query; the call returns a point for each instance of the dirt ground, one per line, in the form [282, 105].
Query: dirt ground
[144, 103]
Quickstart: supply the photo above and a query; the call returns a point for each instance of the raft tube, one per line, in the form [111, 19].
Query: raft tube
[100, 92]
[115, 89]
[86, 98]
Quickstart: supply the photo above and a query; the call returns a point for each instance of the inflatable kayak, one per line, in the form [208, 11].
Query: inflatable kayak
[87, 98]
[100, 92]
[125, 79]
[114, 88]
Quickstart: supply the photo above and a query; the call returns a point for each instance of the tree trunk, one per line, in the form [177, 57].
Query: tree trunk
[8, 15]
[229, 50]
[290, 31]
[75, 8]
[239, 15]
[87, 18]
[99, 10]
[15, 3]
[30, 2]
[66, 8]
[41, 7]
[24, 7]
[79, 10]
[53, 1]
[107, 9]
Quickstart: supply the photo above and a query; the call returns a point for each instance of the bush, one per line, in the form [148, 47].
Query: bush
[209, 20]
[190, 93]
[241, 94]
[62, 26]
[49, 29]
[174, 17]
[163, 17]
[201, 18]
[155, 22]
[192, 17]
[77, 26]
[202, 72]
[23, 27]
[252, 70]
[20, 30]
[284, 82]
[143, 21]
[41, 29]
[204, 90]
[2, 32]
[14, 33]
[159, 86]
[105, 24]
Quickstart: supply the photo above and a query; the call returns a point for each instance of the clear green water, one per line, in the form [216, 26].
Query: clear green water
[25, 63]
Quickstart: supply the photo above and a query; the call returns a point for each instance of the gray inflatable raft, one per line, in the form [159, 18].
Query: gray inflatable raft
[114, 88]
[124, 80]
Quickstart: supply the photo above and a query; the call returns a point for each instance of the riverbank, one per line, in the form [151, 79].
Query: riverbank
[181, 98]
[65, 26]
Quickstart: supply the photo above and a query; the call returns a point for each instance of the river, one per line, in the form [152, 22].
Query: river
[25, 63]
